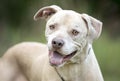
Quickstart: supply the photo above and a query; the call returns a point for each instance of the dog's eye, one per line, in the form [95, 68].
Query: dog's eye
[75, 32]
[52, 27]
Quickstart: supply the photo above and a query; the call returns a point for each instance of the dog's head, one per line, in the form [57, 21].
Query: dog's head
[68, 33]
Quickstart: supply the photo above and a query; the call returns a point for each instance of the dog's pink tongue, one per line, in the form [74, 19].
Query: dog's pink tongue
[56, 58]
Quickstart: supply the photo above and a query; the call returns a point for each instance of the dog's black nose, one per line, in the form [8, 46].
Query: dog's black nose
[57, 43]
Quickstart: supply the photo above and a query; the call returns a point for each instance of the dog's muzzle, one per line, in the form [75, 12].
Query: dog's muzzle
[56, 58]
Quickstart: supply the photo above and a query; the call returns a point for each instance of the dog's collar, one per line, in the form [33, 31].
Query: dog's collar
[59, 75]
[88, 51]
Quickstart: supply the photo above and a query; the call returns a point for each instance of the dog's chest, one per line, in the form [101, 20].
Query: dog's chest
[71, 73]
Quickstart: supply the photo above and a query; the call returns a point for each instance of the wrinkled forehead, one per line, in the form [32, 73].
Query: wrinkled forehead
[66, 17]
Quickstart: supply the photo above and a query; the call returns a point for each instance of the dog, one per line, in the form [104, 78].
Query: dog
[68, 55]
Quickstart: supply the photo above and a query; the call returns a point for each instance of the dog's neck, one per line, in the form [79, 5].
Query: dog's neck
[85, 53]
[68, 73]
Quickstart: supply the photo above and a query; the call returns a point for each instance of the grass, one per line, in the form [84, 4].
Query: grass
[107, 51]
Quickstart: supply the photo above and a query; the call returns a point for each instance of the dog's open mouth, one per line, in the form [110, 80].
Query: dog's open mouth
[57, 59]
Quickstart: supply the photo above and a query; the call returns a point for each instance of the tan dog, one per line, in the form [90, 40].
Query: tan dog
[68, 55]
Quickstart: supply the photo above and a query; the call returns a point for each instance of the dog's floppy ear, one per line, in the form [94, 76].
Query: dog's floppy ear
[46, 12]
[94, 26]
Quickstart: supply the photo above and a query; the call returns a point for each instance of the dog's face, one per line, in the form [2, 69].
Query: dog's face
[67, 33]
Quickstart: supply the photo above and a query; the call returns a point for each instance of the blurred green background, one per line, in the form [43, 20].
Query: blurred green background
[17, 25]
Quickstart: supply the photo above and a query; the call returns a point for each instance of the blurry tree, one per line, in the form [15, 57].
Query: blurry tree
[110, 12]
[13, 12]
